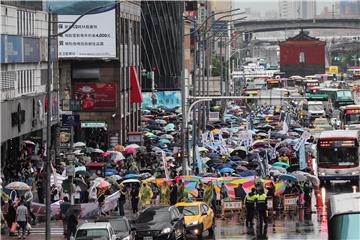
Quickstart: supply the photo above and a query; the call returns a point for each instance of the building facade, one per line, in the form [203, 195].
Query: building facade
[95, 75]
[302, 55]
[24, 31]
[161, 48]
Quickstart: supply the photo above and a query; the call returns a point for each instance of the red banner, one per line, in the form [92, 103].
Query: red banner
[96, 96]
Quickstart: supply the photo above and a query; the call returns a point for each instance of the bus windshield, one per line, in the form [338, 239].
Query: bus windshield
[338, 153]
[352, 119]
[344, 95]
[345, 226]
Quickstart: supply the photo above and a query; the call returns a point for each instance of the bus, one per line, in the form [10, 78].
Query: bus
[350, 116]
[338, 97]
[308, 84]
[354, 73]
[338, 155]
[344, 216]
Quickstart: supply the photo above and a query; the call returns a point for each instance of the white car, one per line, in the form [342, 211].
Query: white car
[97, 230]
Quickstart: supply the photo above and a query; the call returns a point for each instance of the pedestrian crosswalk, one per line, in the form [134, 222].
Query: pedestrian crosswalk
[41, 231]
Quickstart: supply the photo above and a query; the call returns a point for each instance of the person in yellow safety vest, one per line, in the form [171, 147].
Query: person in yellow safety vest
[261, 206]
[250, 207]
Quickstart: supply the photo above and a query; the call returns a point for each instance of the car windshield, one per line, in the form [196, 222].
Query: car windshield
[92, 234]
[316, 107]
[189, 210]
[352, 118]
[153, 216]
[338, 156]
[120, 226]
[345, 226]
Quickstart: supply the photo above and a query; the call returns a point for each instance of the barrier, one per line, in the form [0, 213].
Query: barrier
[290, 202]
[231, 206]
[270, 205]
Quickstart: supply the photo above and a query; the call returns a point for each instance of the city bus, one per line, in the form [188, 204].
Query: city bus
[350, 116]
[338, 97]
[344, 216]
[338, 155]
[308, 84]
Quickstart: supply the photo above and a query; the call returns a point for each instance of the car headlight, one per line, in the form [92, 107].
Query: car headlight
[126, 238]
[355, 173]
[322, 174]
[192, 223]
[166, 230]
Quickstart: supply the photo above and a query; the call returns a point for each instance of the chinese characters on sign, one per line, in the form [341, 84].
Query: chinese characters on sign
[93, 36]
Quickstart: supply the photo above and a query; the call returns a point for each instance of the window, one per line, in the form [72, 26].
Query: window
[302, 57]
[25, 23]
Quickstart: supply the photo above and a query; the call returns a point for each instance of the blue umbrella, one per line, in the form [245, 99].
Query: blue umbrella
[226, 170]
[247, 173]
[235, 158]
[213, 155]
[164, 141]
[131, 176]
[288, 177]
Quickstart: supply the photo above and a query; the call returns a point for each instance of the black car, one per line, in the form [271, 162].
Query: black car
[160, 223]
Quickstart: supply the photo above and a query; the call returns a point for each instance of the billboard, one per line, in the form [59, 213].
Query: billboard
[95, 96]
[169, 99]
[93, 36]
[31, 49]
[11, 49]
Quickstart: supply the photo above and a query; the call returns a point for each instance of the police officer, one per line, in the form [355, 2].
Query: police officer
[250, 205]
[261, 206]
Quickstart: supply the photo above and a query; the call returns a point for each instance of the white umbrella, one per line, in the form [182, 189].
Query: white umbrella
[78, 152]
[18, 186]
[97, 150]
[132, 146]
[280, 169]
[29, 142]
[79, 144]
[131, 181]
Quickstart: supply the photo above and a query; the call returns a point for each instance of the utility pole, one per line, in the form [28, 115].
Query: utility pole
[48, 133]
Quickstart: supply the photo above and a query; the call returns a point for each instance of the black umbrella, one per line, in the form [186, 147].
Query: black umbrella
[241, 153]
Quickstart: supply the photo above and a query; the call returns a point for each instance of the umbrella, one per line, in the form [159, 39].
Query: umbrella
[241, 168]
[18, 186]
[167, 136]
[117, 156]
[78, 152]
[226, 170]
[131, 181]
[280, 169]
[115, 177]
[119, 148]
[131, 176]
[80, 168]
[299, 177]
[288, 177]
[83, 173]
[203, 149]
[97, 150]
[132, 146]
[281, 164]
[247, 173]
[274, 172]
[169, 127]
[29, 142]
[145, 175]
[164, 141]
[79, 144]
[130, 150]
[103, 184]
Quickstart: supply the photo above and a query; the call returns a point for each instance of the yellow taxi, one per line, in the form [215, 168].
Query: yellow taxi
[199, 217]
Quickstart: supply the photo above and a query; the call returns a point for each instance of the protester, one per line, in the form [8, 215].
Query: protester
[173, 193]
[28, 200]
[240, 193]
[11, 215]
[64, 207]
[165, 194]
[122, 200]
[134, 198]
[21, 219]
[145, 195]
[72, 222]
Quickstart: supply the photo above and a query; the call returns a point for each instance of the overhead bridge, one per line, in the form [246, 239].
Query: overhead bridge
[288, 24]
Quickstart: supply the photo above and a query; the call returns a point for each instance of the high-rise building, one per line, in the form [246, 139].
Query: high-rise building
[160, 43]
[349, 8]
[303, 9]
[23, 102]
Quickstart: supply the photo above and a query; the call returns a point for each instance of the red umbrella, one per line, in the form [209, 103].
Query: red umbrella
[145, 119]
[130, 150]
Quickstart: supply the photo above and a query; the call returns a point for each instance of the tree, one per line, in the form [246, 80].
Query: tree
[216, 64]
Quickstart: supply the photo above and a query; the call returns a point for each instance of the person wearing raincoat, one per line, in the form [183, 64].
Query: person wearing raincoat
[145, 194]
[133, 166]
[208, 194]
[181, 192]
[165, 194]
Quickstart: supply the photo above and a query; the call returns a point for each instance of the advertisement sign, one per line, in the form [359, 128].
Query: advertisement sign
[95, 96]
[93, 36]
[169, 99]
[70, 120]
[11, 49]
[65, 137]
[93, 124]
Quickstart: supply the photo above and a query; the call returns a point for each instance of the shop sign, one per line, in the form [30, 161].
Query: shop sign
[31, 49]
[95, 96]
[135, 137]
[70, 105]
[11, 49]
[214, 116]
[93, 124]
[70, 120]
